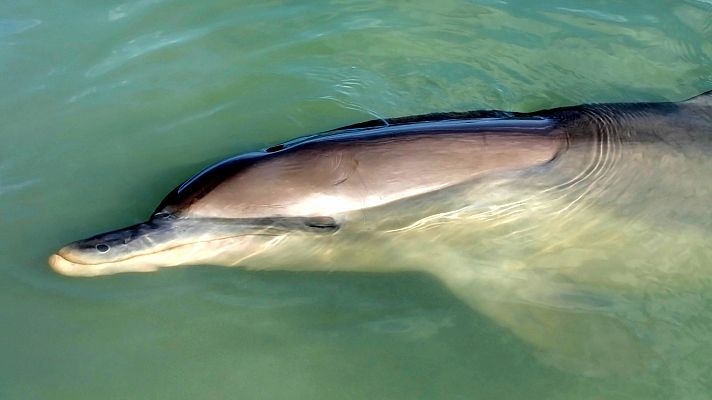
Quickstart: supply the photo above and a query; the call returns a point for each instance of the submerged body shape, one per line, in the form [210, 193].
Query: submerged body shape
[485, 200]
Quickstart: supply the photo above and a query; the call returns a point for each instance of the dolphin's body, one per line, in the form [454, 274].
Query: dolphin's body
[426, 192]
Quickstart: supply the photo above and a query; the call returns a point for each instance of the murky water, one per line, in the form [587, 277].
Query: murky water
[107, 107]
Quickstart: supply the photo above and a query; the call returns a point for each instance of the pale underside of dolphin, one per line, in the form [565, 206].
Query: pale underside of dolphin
[466, 197]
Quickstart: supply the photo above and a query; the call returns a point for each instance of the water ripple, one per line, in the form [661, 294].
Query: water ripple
[143, 46]
[595, 14]
[9, 27]
[8, 186]
[127, 9]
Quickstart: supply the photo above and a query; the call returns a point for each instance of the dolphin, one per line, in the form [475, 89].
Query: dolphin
[355, 179]
[501, 206]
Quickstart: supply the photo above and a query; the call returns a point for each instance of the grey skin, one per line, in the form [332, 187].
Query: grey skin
[322, 192]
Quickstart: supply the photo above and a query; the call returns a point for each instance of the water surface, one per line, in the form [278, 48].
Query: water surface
[107, 106]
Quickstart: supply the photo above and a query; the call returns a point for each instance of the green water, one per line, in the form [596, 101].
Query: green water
[107, 106]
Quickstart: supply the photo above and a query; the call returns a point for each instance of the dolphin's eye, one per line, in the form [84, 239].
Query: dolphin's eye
[102, 248]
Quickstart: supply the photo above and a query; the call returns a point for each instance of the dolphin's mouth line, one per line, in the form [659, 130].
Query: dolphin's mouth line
[273, 226]
[166, 249]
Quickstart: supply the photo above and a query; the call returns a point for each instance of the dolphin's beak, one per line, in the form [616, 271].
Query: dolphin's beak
[65, 267]
[176, 241]
[143, 247]
[60, 264]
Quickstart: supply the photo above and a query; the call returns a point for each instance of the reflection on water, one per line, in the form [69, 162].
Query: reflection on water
[598, 289]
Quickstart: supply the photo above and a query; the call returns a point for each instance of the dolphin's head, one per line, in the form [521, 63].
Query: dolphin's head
[169, 241]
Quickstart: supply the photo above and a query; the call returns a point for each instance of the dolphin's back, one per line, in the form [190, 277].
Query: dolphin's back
[381, 161]
[676, 123]
[363, 168]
